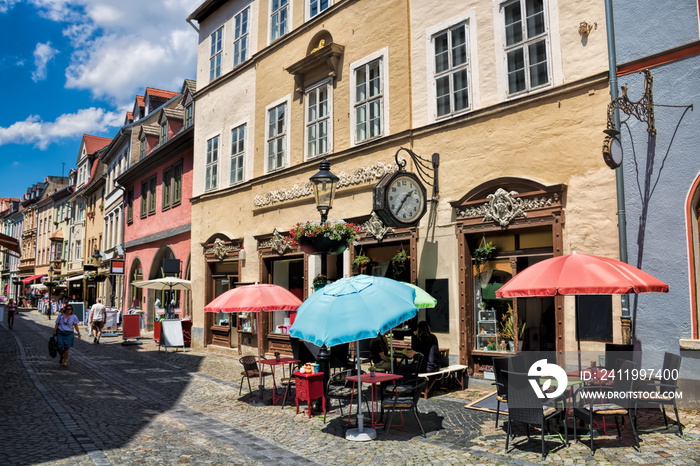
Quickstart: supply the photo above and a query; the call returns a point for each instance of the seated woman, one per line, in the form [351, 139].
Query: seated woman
[425, 342]
[379, 353]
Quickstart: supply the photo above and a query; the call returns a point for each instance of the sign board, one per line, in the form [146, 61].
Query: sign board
[171, 334]
[116, 267]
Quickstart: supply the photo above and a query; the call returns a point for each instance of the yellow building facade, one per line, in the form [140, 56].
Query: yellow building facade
[511, 95]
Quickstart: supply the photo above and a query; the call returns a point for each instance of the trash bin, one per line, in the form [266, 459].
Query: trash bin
[187, 332]
[156, 331]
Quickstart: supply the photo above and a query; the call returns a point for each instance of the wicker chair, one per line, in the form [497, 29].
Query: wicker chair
[589, 402]
[525, 406]
[500, 372]
[667, 383]
[340, 389]
[250, 371]
[404, 403]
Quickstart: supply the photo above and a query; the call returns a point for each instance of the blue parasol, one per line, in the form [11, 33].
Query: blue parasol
[353, 309]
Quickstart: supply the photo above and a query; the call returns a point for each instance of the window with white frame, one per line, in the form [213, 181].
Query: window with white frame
[318, 120]
[240, 37]
[526, 45]
[279, 14]
[451, 70]
[369, 100]
[215, 54]
[189, 115]
[237, 154]
[212, 166]
[318, 6]
[276, 136]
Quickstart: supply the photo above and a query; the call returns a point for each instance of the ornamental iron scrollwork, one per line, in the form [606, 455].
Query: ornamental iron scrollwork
[375, 227]
[642, 110]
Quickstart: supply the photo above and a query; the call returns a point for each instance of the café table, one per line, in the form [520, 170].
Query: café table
[374, 381]
[273, 363]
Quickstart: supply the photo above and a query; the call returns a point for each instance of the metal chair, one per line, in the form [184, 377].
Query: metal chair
[250, 371]
[525, 406]
[404, 403]
[500, 372]
[652, 392]
[289, 383]
[340, 389]
[589, 401]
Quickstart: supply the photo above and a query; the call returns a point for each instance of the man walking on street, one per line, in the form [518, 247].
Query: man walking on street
[98, 315]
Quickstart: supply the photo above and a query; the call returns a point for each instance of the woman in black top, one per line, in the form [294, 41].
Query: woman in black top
[426, 343]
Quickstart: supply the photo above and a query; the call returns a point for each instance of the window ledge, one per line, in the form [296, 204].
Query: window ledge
[689, 344]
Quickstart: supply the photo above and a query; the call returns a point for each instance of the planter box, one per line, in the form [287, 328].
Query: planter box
[322, 245]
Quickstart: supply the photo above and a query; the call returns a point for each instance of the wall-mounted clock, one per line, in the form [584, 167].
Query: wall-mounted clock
[399, 199]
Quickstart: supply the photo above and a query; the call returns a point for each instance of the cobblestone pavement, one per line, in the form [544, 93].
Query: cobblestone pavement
[117, 404]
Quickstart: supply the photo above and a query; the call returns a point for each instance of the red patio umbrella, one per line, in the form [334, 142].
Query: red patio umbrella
[255, 298]
[579, 274]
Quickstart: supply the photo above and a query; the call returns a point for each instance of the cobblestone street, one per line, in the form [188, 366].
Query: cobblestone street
[117, 404]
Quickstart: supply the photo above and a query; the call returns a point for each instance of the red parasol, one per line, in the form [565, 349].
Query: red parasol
[580, 274]
[255, 298]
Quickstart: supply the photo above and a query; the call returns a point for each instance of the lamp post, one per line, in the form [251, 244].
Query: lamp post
[97, 257]
[324, 183]
[50, 287]
[17, 282]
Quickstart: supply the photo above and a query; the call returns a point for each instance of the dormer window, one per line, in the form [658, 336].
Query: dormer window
[189, 115]
[164, 132]
[142, 148]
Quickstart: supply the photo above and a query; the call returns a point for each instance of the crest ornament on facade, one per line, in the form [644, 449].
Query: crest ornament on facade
[278, 243]
[220, 249]
[503, 207]
[375, 227]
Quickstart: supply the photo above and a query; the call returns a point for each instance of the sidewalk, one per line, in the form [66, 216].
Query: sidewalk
[194, 397]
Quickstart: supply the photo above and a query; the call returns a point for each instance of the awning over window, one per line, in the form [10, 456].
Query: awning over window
[32, 278]
[77, 277]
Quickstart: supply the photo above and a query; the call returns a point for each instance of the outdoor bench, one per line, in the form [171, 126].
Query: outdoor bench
[453, 372]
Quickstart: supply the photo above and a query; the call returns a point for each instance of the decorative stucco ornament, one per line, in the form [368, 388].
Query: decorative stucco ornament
[278, 243]
[220, 249]
[503, 207]
[375, 227]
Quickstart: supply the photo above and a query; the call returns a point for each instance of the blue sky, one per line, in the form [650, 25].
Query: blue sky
[74, 67]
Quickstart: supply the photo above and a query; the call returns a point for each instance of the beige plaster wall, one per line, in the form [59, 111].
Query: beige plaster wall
[572, 57]
[386, 23]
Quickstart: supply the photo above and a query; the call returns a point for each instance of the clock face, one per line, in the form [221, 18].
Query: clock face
[405, 198]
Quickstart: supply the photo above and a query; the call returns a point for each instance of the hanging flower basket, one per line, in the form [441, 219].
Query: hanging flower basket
[332, 237]
[101, 276]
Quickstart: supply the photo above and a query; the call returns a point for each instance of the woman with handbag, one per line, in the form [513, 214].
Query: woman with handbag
[63, 331]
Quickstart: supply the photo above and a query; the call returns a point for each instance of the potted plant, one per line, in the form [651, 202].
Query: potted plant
[91, 215]
[372, 371]
[361, 261]
[319, 281]
[331, 237]
[488, 373]
[483, 253]
[509, 328]
[398, 263]
[90, 276]
[101, 276]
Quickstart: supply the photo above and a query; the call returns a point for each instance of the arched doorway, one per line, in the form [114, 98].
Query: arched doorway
[504, 226]
[136, 294]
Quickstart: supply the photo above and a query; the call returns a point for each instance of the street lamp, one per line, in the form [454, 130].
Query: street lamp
[49, 285]
[324, 183]
[17, 282]
[97, 256]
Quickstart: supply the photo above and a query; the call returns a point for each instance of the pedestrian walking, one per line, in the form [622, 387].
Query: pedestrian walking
[11, 311]
[63, 331]
[98, 316]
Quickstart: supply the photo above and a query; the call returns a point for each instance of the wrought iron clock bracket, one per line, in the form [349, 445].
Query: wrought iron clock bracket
[424, 167]
[642, 110]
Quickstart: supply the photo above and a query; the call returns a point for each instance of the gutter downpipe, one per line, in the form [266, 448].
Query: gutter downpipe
[619, 175]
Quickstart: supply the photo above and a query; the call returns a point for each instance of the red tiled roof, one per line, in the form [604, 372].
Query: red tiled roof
[140, 101]
[160, 93]
[95, 143]
[129, 116]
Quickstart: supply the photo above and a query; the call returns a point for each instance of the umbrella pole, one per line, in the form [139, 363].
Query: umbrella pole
[391, 357]
[261, 383]
[360, 434]
[578, 337]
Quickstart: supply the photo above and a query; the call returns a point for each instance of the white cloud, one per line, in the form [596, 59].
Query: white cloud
[43, 53]
[7, 4]
[68, 126]
[119, 51]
